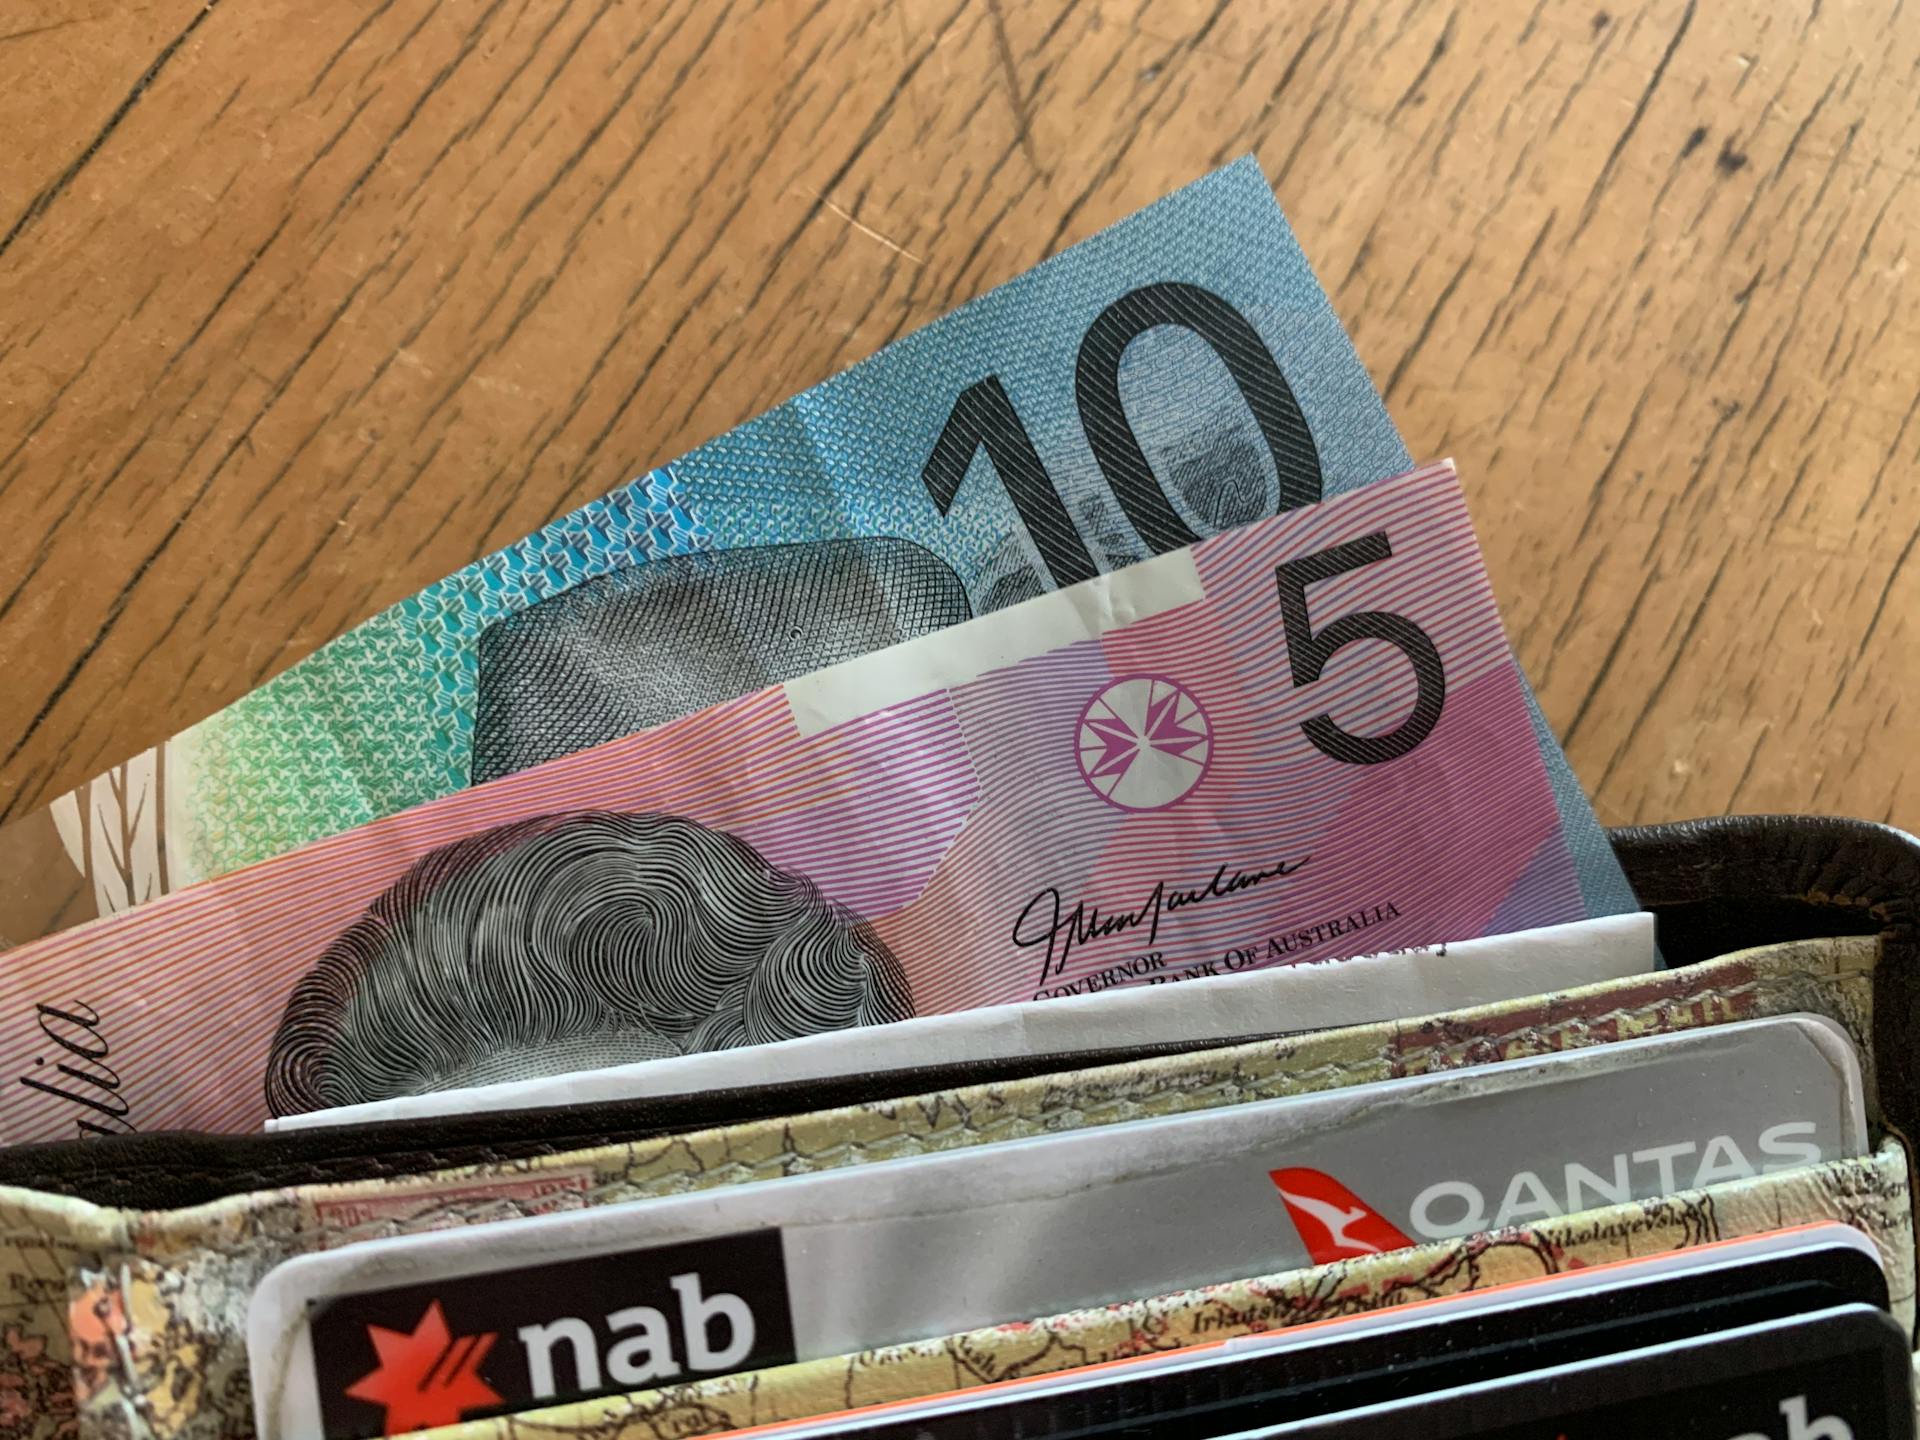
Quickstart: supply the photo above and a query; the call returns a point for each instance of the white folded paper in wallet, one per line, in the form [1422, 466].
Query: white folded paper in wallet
[1316, 995]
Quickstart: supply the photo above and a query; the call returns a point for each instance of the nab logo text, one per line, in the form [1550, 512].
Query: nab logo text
[1799, 1427]
[716, 1332]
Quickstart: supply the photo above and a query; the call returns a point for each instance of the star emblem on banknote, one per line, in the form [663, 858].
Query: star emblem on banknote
[427, 1378]
[1144, 742]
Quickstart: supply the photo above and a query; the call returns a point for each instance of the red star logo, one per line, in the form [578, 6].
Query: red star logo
[427, 1378]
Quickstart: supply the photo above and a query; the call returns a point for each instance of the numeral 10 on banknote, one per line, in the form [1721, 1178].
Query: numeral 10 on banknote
[984, 418]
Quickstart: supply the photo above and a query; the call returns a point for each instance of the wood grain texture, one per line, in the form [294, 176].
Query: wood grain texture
[304, 306]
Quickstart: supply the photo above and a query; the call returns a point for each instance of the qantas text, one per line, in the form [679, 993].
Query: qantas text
[1458, 1207]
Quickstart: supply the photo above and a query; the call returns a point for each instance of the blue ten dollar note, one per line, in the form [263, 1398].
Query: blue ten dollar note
[1178, 374]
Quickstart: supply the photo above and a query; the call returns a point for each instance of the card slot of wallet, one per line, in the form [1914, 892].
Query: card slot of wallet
[175, 1172]
[1725, 884]
[1714, 886]
[145, 1308]
[1870, 1193]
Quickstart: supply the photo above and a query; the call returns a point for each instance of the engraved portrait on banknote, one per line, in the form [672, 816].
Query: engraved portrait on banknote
[572, 941]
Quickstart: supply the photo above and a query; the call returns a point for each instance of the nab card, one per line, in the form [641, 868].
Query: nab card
[1840, 1374]
[1339, 1366]
[415, 1356]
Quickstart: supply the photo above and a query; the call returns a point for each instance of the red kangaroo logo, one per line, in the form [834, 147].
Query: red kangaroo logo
[1334, 1223]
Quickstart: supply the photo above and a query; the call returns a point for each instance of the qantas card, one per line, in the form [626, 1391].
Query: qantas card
[1839, 1374]
[1032, 1227]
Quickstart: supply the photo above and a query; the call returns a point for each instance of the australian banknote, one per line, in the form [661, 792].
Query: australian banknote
[1175, 376]
[1301, 739]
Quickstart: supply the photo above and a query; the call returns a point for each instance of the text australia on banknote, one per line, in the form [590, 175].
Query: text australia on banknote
[1174, 376]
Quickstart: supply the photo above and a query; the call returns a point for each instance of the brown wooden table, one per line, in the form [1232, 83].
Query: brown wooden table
[304, 305]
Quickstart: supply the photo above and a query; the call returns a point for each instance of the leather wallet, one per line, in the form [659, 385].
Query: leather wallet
[128, 1261]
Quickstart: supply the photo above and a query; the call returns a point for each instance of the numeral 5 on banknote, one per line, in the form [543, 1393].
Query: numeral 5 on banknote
[1310, 650]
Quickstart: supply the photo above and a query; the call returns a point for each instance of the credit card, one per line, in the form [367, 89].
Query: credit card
[534, 1311]
[1840, 1374]
[1319, 995]
[1402, 1351]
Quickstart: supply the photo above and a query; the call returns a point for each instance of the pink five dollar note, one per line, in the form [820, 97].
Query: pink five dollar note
[1295, 741]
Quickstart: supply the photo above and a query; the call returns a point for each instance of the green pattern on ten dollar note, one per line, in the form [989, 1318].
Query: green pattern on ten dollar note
[1174, 376]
